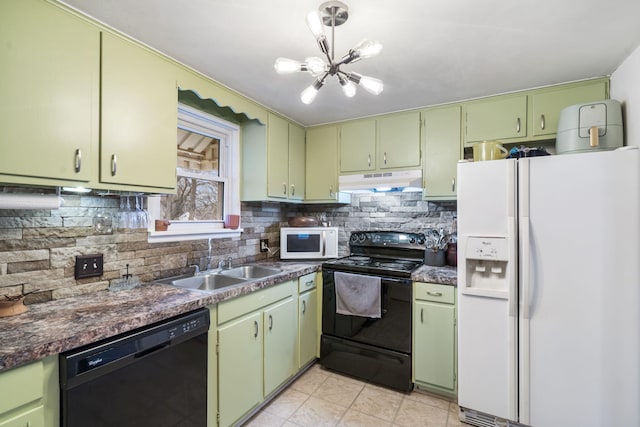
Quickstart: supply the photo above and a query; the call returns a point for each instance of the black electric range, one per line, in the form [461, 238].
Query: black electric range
[375, 348]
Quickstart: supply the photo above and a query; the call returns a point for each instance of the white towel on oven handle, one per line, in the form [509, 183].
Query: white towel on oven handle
[358, 295]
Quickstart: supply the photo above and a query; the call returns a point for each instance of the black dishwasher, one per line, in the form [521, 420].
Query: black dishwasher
[153, 376]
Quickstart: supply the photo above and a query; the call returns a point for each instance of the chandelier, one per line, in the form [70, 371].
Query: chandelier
[332, 14]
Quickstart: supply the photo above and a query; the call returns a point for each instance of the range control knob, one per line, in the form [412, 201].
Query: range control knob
[354, 238]
[421, 241]
[412, 240]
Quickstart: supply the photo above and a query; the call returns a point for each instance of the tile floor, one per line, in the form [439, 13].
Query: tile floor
[322, 398]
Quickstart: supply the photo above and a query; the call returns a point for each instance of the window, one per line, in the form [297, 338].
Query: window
[208, 170]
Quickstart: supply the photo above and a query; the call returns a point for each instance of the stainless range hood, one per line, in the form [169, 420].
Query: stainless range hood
[382, 181]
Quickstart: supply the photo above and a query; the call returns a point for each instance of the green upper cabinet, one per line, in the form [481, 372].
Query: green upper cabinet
[497, 118]
[399, 141]
[547, 104]
[277, 157]
[322, 164]
[358, 146]
[139, 103]
[296, 162]
[273, 160]
[50, 94]
[441, 133]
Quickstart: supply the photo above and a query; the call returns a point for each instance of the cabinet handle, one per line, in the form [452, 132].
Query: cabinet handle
[309, 283]
[255, 325]
[542, 121]
[293, 190]
[385, 157]
[114, 165]
[518, 125]
[78, 163]
[284, 188]
[453, 185]
[422, 315]
[330, 191]
[304, 306]
[369, 159]
[270, 322]
[434, 294]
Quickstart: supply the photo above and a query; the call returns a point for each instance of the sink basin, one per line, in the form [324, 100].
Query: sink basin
[250, 272]
[208, 282]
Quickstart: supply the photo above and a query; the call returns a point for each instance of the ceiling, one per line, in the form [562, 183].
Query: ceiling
[435, 51]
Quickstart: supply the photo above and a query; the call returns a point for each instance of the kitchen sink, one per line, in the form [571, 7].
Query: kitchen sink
[207, 282]
[249, 272]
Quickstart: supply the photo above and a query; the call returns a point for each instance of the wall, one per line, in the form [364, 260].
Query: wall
[38, 247]
[625, 87]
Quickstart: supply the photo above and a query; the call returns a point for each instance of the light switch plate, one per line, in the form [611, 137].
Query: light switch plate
[89, 266]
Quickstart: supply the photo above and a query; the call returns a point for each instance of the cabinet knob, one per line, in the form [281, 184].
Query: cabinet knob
[518, 125]
[78, 160]
[304, 306]
[542, 122]
[114, 164]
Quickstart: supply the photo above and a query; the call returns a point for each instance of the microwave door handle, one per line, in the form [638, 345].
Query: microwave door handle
[323, 243]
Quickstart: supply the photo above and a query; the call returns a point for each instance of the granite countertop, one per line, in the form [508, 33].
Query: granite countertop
[446, 275]
[56, 326]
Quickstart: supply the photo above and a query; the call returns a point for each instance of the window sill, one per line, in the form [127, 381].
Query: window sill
[179, 234]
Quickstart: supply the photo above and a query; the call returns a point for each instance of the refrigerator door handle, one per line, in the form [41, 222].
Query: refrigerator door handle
[513, 275]
[525, 265]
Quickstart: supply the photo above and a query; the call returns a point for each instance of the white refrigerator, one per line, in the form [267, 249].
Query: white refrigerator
[549, 290]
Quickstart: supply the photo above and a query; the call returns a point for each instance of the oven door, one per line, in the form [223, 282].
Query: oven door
[377, 350]
[391, 331]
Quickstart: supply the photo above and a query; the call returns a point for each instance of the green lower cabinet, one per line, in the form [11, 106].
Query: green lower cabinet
[307, 327]
[280, 327]
[31, 418]
[29, 395]
[434, 339]
[239, 367]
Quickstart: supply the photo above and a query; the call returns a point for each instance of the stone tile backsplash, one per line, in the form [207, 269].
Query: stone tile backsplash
[38, 247]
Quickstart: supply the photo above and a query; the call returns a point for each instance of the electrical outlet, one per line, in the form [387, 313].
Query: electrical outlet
[264, 245]
[89, 266]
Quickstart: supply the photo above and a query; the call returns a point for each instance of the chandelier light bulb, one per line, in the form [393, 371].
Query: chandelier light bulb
[372, 85]
[308, 95]
[315, 65]
[314, 22]
[287, 66]
[348, 87]
[368, 48]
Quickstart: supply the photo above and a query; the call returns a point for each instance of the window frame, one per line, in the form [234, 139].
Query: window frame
[194, 120]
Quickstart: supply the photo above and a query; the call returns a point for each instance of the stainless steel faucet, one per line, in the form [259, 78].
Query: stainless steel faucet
[209, 256]
[225, 263]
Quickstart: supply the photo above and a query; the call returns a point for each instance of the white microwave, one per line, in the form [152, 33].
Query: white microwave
[308, 242]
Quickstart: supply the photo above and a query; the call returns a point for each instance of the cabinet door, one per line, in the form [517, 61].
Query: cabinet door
[546, 106]
[322, 164]
[307, 327]
[277, 157]
[442, 151]
[279, 344]
[50, 92]
[434, 344]
[239, 367]
[296, 162]
[139, 116]
[399, 145]
[501, 118]
[31, 418]
[358, 146]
